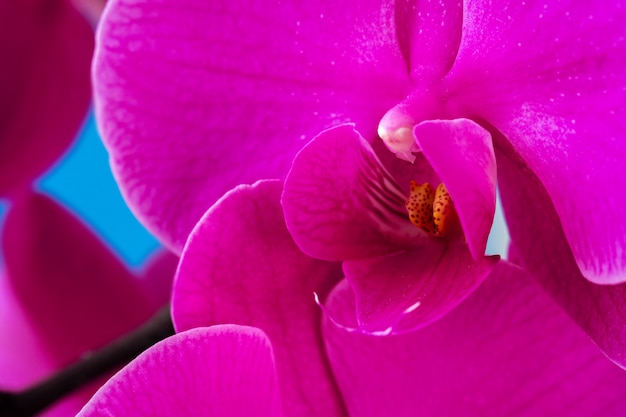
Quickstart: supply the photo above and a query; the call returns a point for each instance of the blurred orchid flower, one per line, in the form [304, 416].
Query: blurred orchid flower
[65, 294]
[46, 48]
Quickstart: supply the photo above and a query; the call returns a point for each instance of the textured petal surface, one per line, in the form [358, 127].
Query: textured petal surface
[406, 291]
[430, 33]
[551, 76]
[507, 350]
[241, 266]
[540, 246]
[75, 292]
[461, 152]
[217, 371]
[194, 98]
[341, 203]
[46, 48]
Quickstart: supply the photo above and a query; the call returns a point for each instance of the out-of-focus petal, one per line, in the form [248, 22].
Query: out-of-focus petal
[91, 9]
[158, 277]
[507, 350]
[75, 292]
[46, 49]
[18, 340]
[25, 360]
[196, 97]
[217, 371]
[551, 77]
[406, 291]
[341, 203]
[538, 243]
[461, 152]
[241, 266]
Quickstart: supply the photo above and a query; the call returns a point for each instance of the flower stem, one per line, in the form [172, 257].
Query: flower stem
[35, 399]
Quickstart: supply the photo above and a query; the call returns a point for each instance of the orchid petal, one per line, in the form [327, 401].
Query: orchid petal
[432, 35]
[241, 266]
[461, 152]
[18, 340]
[91, 9]
[341, 203]
[507, 350]
[75, 292]
[539, 244]
[46, 49]
[158, 277]
[240, 91]
[406, 291]
[217, 371]
[24, 360]
[550, 76]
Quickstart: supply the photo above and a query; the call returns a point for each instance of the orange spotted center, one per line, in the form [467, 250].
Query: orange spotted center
[431, 210]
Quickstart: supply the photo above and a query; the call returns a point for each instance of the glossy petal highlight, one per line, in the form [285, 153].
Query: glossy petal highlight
[507, 350]
[217, 371]
[240, 91]
[241, 266]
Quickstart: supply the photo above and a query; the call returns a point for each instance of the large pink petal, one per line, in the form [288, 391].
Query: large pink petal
[196, 97]
[507, 350]
[551, 76]
[45, 48]
[341, 203]
[406, 291]
[461, 152]
[217, 371]
[540, 246]
[241, 266]
[75, 292]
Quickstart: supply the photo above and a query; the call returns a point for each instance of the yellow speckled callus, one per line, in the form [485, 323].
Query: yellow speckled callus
[420, 206]
[429, 209]
[443, 210]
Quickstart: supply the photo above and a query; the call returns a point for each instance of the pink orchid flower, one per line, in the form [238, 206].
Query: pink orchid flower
[506, 350]
[46, 49]
[65, 294]
[194, 100]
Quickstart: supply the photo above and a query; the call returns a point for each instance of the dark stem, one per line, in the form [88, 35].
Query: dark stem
[116, 354]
